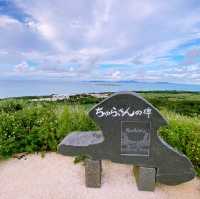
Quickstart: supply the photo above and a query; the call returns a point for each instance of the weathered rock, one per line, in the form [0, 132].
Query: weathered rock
[93, 173]
[129, 135]
[145, 178]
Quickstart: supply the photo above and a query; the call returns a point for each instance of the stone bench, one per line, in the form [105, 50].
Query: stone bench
[129, 127]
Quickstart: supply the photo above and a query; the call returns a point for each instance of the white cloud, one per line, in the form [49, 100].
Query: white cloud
[116, 75]
[22, 68]
[6, 20]
[75, 37]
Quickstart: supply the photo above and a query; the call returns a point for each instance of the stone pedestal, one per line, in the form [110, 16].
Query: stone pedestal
[145, 178]
[93, 173]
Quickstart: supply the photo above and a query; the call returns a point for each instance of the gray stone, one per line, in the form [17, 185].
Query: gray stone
[78, 139]
[145, 178]
[93, 173]
[129, 127]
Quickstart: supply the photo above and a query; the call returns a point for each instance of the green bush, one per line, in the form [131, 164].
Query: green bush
[11, 105]
[84, 99]
[40, 128]
[31, 129]
[183, 133]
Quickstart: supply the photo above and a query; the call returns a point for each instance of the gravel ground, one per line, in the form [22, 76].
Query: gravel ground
[56, 177]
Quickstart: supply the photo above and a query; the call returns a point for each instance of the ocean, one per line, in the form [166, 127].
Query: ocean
[17, 88]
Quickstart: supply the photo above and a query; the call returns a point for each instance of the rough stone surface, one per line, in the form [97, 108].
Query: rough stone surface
[78, 139]
[145, 178]
[93, 173]
[129, 127]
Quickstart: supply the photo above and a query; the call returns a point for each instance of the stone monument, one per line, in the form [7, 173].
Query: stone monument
[129, 127]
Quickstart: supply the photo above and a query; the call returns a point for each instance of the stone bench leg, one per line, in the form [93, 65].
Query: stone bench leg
[93, 173]
[145, 178]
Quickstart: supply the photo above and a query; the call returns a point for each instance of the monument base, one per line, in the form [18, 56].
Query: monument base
[145, 178]
[93, 173]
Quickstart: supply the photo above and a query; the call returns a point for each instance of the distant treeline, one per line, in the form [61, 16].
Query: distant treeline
[186, 103]
[109, 93]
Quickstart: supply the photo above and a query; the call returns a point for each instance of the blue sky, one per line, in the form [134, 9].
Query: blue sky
[100, 40]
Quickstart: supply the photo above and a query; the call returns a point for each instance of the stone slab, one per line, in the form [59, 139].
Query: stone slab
[128, 135]
[145, 178]
[83, 138]
[93, 170]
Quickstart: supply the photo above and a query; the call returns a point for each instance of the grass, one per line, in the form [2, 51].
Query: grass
[183, 133]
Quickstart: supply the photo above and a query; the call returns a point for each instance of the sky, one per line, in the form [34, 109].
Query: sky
[146, 40]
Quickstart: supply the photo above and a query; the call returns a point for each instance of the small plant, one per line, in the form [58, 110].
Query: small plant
[80, 158]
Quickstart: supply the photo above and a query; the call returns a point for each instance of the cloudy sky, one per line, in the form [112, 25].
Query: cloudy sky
[148, 40]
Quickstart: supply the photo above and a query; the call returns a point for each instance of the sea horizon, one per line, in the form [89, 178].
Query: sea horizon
[20, 88]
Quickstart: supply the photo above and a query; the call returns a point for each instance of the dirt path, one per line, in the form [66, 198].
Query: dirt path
[56, 177]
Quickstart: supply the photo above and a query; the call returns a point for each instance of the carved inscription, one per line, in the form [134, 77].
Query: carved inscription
[122, 112]
[135, 138]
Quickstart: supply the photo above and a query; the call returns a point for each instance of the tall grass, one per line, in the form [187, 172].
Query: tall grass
[74, 118]
[183, 133]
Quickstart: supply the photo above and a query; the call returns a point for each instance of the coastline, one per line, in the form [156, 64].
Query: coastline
[100, 95]
[44, 89]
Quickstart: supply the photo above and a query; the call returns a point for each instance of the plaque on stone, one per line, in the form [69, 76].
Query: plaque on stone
[135, 138]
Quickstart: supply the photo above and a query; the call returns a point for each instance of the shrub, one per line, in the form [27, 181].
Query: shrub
[11, 105]
[183, 133]
[84, 99]
[31, 129]
[40, 128]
